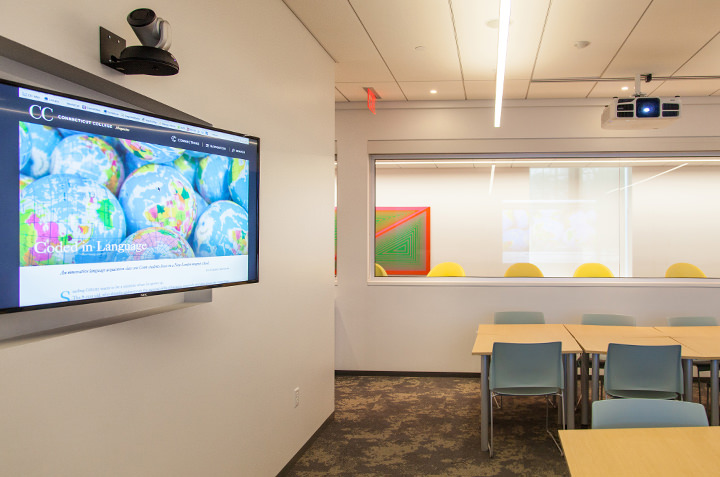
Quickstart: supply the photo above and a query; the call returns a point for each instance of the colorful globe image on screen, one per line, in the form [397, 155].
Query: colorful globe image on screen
[153, 243]
[68, 219]
[90, 157]
[43, 140]
[24, 181]
[187, 166]
[239, 182]
[156, 195]
[202, 206]
[68, 132]
[131, 162]
[113, 141]
[24, 146]
[195, 154]
[221, 230]
[213, 178]
[151, 153]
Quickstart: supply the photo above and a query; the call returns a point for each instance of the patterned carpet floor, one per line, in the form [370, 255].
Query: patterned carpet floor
[427, 426]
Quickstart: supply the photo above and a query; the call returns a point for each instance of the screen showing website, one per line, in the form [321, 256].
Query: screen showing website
[103, 202]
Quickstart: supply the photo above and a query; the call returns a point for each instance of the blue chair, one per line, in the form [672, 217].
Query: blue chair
[607, 319]
[702, 366]
[526, 369]
[633, 371]
[692, 321]
[633, 413]
[519, 317]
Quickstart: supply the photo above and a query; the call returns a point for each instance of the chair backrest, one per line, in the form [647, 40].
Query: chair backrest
[607, 319]
[692, 321]
[684, 270]
[592, 270]
[446, 269]
[643, 368]
[629, 413]
[526, 365]
[523, 270]
[519, 317]
[380, 271]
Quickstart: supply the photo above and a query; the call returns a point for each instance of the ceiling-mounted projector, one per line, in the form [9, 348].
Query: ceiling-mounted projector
[640, 113]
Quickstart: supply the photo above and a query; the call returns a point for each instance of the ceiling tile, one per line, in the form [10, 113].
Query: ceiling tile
[477, 41]
[374, 44]
[612, 89]
[578, 89]
[446, 90]
[705, 62]
[605, 24]
[667, 36]
[336, 27]
[354, 71]
[399, 27]
[513, 89]
[355, 92]
[703, 87]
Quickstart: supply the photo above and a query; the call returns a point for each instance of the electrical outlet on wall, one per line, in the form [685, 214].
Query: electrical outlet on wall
[297, 397]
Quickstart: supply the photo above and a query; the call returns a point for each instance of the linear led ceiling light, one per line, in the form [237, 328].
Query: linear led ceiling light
[503, 31]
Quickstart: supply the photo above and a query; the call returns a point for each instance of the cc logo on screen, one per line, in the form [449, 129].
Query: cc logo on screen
[37, 112]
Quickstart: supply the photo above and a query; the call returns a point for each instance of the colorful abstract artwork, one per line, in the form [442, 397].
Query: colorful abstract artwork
[402, 240]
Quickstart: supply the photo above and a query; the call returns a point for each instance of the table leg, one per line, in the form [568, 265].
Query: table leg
[584, 389]
[595, 377]
[485, 402]
[687, 374]
[570, 387]
[714, 393]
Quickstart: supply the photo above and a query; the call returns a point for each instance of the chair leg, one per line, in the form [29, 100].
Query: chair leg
[498, 401]
[492, 444]
[547, 420]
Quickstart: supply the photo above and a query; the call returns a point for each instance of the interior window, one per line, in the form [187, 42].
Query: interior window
[628, 216]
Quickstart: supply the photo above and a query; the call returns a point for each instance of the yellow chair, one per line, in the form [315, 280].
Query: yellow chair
[447, 269]
[596, 270]
[523, 270]
[684, 270]
[380, 271]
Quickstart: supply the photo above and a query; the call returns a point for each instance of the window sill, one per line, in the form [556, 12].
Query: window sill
[545, 282]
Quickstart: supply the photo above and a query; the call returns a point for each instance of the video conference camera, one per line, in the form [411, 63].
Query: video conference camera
[152, 58]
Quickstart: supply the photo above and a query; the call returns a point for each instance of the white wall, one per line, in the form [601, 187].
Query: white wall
[406, 325]
[206, 390]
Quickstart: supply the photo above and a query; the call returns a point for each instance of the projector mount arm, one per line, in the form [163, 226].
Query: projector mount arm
[647, 77]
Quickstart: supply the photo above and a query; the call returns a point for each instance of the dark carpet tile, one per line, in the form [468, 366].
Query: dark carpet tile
[428, 426]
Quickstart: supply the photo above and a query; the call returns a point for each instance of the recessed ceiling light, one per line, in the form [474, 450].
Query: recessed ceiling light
[494, 23]
[433, 91]
[581, 44]
[625, 88]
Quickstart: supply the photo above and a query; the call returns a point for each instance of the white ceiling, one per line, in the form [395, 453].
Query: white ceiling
[405, 48]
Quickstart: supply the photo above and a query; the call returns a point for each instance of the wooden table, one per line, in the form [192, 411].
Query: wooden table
[704, 341]
[671, 451]
[594, 339]
[489, 334]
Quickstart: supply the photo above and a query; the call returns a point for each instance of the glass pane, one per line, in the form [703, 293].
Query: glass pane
[636, 217]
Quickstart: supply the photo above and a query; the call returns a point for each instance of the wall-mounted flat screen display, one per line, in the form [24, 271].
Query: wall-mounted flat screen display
[101, 202]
